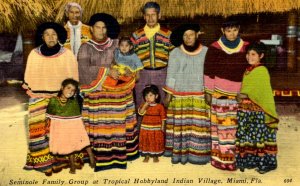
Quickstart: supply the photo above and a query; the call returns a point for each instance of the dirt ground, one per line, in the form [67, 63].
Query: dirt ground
[13, 149]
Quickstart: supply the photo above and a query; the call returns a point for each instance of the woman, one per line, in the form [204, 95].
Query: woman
[187, 126]
[223, 72]
[108, 110]
[47, 66]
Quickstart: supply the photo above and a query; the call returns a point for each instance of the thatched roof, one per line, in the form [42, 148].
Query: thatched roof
[17, 15]
[127, 10]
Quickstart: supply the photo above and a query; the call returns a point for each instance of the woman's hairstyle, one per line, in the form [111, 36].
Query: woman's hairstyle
[230, 22]
[151, 4]
[153, 89]
[259, 47]
[125, 39]
[72, 4]
[66, 82]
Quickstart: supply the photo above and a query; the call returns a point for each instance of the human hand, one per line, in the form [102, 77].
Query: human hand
[114, 73]
[167, 100]
[240, 97]
[128, 72]
[208, 98]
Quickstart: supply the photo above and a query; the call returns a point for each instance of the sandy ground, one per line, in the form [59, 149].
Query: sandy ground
[13, 149]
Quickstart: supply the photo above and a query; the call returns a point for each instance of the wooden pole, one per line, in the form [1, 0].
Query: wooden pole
[298, 41]
[28, 44]
[291, 41]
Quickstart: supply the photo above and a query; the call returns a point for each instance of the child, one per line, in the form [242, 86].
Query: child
[67, 132]
[126, 62]
[152, 127]
[257, 117]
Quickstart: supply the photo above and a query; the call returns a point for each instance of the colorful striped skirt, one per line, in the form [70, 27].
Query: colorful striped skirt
[256, 143]
[39, 157]
[223, 130]
[110, 120]
[151, 141]
[188, 130]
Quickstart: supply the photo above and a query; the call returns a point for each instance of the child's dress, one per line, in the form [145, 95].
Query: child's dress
[151, 134]
[67, 132]
[257, 122]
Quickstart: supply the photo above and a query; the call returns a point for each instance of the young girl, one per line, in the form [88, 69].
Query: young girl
[126, 62]
[257, 118]
[152, 127]
[67, 132]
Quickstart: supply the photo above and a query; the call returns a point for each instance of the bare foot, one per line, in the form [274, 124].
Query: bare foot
[155, 159]
[92, 162]
[146, 159]
[72, 170]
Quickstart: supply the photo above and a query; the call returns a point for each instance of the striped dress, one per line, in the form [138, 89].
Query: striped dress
[187, 127]
[110, 119]
[223, 72]
[41, 86]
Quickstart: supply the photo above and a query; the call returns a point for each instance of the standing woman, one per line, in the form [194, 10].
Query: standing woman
[47, 66]
[223, 72]
[108, 110]
[188, 128]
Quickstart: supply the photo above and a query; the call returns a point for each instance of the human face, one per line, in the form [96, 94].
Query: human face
[50, 37]
[151, 17]
[125, 47]
[99, 31]
[231, 33]
[74, 15]
[68, 91]
[253, 57]
[190, 37]
[150, 97]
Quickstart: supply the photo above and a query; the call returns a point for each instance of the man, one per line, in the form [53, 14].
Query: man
[78, 33]
[152, 45]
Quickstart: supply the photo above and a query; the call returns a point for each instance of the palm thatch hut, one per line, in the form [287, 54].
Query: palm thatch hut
[260, 19]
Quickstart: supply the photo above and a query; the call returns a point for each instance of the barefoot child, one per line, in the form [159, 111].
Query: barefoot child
[153, 123]
[257, 118]
[67, 133]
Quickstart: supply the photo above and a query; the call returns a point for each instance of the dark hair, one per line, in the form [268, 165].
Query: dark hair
[151, 4]
[68, 82]
[259, 47]
[154, 90]
[127, 39]
[230, 22]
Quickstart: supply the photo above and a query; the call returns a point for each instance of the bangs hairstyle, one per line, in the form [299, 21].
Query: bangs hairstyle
[151, 4]
[154, 90]
[259, 47]
[125, 39]
[66, 82]
[230, 23]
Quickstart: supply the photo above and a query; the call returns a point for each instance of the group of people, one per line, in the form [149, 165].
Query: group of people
[106, 100]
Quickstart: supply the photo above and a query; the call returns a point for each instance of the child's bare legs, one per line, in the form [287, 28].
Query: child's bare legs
[91, 156]
[155, 159]
[72, 164]
[146, 159]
